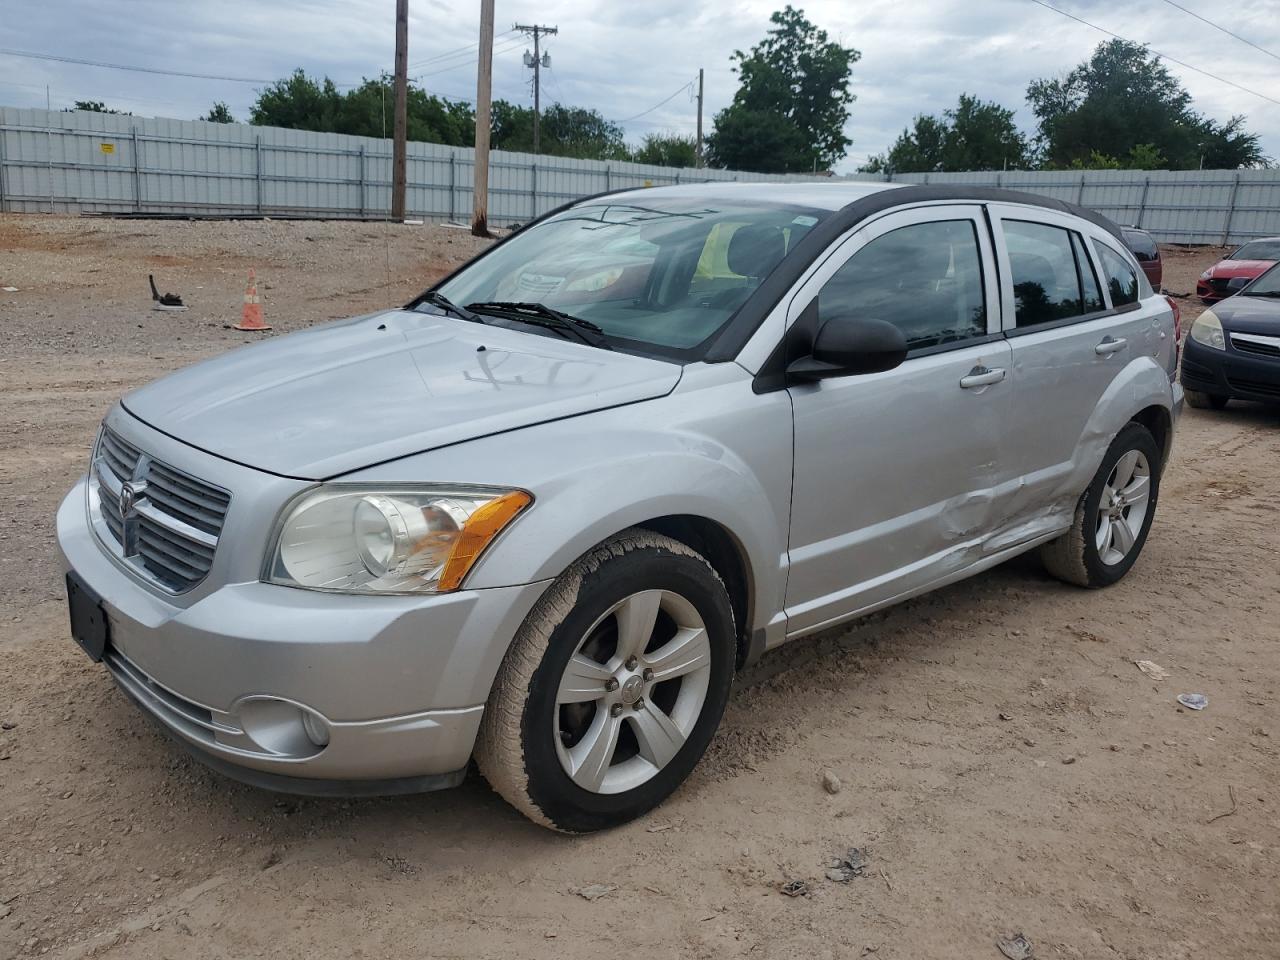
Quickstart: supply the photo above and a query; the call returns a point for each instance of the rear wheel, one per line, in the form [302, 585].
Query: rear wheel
[613, 687]
[1205, 401]
[1113, 516]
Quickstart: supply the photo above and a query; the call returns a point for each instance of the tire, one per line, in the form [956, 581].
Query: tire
[1091, 555]
[1205, 401]
[544, 725]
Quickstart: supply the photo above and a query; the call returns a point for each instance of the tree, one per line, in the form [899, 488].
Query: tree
[974, 135]
[1124, 97]
[219, 113]
[667, 150]
[95, 106]
[792, 103]
[566, 132]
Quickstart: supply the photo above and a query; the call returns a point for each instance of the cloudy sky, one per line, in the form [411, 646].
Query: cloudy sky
[622, 58]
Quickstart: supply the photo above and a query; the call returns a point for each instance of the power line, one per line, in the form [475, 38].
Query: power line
[659, 104]
[1223, 29]
[469, 62]
[1163, 56]
[470, 49]
[122, 66]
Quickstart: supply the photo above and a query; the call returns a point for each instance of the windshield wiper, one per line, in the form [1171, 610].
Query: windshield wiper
[1261, 293]
[437, 299]
[540, 315]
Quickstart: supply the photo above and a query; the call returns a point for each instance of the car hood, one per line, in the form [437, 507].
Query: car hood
[347, 395]
[1240, 268]
[1245, 314]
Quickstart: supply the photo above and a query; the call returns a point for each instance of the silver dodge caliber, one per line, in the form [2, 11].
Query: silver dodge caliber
[539, 516]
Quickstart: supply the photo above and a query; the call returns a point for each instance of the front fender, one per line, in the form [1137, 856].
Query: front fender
[712, 450]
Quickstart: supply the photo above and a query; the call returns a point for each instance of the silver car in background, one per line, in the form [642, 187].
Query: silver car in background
[541, 515]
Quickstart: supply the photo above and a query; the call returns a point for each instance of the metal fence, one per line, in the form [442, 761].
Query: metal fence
[1176, 206]
[76, 162]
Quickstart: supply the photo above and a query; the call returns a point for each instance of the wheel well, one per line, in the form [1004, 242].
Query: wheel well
[1160, 423]
[724, 554]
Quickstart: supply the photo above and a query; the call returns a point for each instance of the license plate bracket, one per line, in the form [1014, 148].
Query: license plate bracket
[89, 625]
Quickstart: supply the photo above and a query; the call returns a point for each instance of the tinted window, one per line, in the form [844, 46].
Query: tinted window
[1088, 279]
[926, 279]
[1121, 280]
[1258, 250]
[1140, 242]
[1046, 282]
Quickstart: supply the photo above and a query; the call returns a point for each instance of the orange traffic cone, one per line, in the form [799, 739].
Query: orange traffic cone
[251, 316]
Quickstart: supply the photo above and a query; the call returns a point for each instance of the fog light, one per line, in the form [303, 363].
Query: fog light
[316, 729]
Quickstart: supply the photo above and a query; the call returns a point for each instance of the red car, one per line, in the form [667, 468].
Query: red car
[1227, 276]
[1147, 252]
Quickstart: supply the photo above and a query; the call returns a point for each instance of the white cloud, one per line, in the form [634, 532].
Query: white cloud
[622, 58]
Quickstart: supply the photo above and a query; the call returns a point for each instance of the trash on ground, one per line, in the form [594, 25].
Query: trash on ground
[830, 782]
[795, 888]
[1016, 947]
[1193, 701]
[169, 302]
[593, 891]
[10, 289]
[1152, 669]
[853, 863]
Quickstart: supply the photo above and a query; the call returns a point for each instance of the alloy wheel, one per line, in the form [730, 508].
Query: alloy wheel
[1123, 507]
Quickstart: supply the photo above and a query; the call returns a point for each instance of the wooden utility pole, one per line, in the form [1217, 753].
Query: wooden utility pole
[484, 96]
[401, 110]
[697, 153]
[536, 32]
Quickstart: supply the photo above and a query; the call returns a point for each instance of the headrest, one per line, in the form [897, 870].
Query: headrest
[755, 250]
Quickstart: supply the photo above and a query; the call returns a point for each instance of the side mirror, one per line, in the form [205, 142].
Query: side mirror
[847, 347]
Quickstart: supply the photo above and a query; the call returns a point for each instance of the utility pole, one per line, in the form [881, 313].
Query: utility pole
[484, 97]
[401, 110]
[538, 61]
[697, 153]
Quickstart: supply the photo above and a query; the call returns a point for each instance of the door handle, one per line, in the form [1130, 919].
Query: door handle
[981, 376]
[1108, 346]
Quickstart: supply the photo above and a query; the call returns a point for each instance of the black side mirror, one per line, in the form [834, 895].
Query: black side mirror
[846, 347]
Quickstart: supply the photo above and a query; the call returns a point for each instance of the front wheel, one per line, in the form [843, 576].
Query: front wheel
[1113, 516]
[613, 687]
[1205, 401]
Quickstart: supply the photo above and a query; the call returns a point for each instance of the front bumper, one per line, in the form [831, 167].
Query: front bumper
[399, 682]
[1230, 373]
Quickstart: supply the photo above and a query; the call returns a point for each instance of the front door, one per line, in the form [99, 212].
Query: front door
[896, 474]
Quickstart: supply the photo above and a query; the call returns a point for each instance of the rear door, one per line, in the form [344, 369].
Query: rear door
[895, 472]
[1073, 316]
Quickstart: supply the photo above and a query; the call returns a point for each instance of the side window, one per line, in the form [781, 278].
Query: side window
[1046, 282]
[925, 279]
[1093, 302]
[1121, 280]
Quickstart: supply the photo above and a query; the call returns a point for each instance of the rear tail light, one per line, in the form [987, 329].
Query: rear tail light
[1177, 329]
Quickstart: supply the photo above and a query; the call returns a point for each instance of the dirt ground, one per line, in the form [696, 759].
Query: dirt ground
[1005, 766]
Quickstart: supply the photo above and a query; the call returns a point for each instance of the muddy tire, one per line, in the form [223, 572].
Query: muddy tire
[1205, 401]
[613, 687]
[1113, 516]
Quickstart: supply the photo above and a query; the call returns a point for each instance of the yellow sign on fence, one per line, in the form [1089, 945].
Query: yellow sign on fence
[107, 147]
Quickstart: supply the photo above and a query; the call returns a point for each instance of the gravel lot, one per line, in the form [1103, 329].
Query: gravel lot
[1005, 767]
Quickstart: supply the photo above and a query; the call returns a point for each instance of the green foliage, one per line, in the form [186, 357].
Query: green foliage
[975, 135]
[566, 132]
[219, 113]
[667, 150]
[301, 103]
[1124, 98]
[792, 103]
[95, 106]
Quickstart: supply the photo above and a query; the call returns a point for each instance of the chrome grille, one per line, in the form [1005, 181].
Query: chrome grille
[168, 524]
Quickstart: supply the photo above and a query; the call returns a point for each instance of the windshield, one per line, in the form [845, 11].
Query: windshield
[1267, 285]
[658, 277]
[1258, 250]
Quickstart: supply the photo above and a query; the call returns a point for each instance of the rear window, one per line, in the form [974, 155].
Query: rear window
[1121, 278]
[1052, 279]
[1258, 250]
[1140, 242]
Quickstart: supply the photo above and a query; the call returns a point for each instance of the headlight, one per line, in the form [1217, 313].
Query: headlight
[1208, 330]
[388, 540]
[1207, 274]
